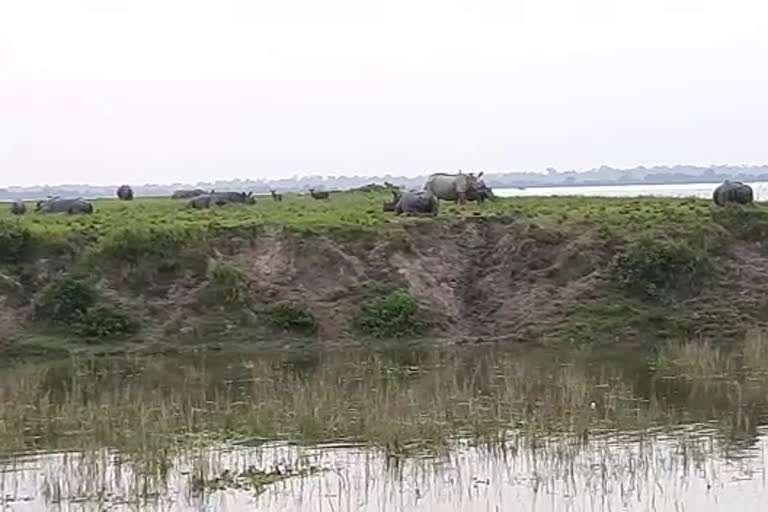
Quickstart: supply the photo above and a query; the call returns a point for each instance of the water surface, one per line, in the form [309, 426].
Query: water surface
[532, 430]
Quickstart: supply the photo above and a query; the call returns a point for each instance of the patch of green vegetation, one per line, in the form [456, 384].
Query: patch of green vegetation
[105, 321]
[392, 316]
[16, 242]
[652, 266]
[225, 285]
[135, 243]
[291, 316]
[72, 302]
[65, 300]
[152, 254]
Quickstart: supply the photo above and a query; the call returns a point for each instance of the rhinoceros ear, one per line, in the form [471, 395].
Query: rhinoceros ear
[481, 173]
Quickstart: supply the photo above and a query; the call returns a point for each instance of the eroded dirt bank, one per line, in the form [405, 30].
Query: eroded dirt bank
[470, 280]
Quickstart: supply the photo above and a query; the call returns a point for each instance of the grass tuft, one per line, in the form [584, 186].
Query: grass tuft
[291, 316]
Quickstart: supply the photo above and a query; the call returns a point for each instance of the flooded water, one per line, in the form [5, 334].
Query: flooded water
[577, 433]
[700, 190]
[676, 470]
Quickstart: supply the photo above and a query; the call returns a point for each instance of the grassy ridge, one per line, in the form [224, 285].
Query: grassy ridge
[662, 262]
[363, 209]
[129, 230]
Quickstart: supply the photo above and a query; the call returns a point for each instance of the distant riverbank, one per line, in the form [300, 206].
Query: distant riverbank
[700, 190]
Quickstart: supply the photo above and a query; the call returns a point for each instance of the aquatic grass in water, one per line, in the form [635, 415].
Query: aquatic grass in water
[148, 407]
[170, 423]
[694, 359]
[755, 352]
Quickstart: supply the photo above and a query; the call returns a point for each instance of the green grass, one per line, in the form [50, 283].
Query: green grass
[144, 222]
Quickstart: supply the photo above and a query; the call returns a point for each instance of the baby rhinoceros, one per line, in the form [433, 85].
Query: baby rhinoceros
[413, 202]
[18, 207]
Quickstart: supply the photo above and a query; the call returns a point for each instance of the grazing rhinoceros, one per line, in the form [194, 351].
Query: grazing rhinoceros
[59, 205]
[187, 194]
[732, 192]
[413, 202]
[453, 187]
[234, 197]
[389, 206]
[18, 207]
[125, 193]
[318, 194]
[481, 193]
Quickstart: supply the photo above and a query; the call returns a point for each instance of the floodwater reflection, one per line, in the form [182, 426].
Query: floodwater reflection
[535, 431]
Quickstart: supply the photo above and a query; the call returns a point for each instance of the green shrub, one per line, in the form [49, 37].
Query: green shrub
[225, 284]
[65, 300]
[393, 315]
[104, 321]
[291, 316]
[652, 266]
[15, 242]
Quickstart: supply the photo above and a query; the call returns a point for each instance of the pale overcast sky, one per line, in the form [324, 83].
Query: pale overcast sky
[108, 91]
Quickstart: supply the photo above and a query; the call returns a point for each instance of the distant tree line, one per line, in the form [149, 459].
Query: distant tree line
[551, 178]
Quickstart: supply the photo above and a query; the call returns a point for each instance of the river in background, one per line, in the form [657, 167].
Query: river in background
[701, 190]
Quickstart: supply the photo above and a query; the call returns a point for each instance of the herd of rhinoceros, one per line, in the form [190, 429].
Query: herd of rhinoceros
[449, 187]
[458, 187]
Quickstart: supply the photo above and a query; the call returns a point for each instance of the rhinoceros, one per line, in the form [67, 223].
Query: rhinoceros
[481, 193]
[413, 202]
[187, 194]
[732, 192]
[18, 207]
[234, 197]
[206, 201]
[125, 193]
[389, 206]
[59, 205]
[453, 187]
[318, 194]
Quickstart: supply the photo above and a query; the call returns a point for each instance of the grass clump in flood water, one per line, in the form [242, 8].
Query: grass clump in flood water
[702, 359]
[251, 478]
[755, 352]
[693, 359]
